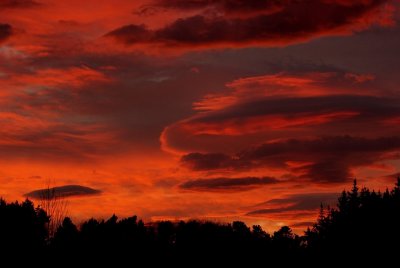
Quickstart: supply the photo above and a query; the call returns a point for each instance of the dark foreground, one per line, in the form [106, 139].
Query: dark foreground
[363, 228]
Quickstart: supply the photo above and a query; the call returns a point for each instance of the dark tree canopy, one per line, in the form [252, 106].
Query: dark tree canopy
[364, 223]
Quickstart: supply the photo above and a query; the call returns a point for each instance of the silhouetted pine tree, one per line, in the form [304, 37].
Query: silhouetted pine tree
[364, 224]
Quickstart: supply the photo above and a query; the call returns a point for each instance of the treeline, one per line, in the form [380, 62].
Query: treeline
[364, 223]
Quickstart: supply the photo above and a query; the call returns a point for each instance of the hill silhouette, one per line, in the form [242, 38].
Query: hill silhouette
[363, 226]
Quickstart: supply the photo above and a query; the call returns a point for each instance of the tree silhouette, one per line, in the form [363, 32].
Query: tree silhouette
[56, 207]
[67, 235]
[22, 227]
[364, 223]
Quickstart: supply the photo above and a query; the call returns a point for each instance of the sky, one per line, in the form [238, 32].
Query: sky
[223, 110]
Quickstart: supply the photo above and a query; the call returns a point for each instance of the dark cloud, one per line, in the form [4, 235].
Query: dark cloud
[331, 170]
[227, 184]
[84, 113]
[69, 23]
[298, 202]
[276, 117]
[370, 106]
[243, 23]
[303, 224]
[132, 34]
[6, 31]
[199, 161]
[327, 159]
[18, 4]
[63, 191]
[226, 5]
[341, 146]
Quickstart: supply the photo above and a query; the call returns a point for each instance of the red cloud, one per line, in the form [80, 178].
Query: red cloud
[246, 23]
[305, 125]
[40, 120]
[35, 137]
[282, 106]
[72, 77]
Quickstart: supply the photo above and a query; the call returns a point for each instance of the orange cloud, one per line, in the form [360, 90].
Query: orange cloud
[286, 85]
